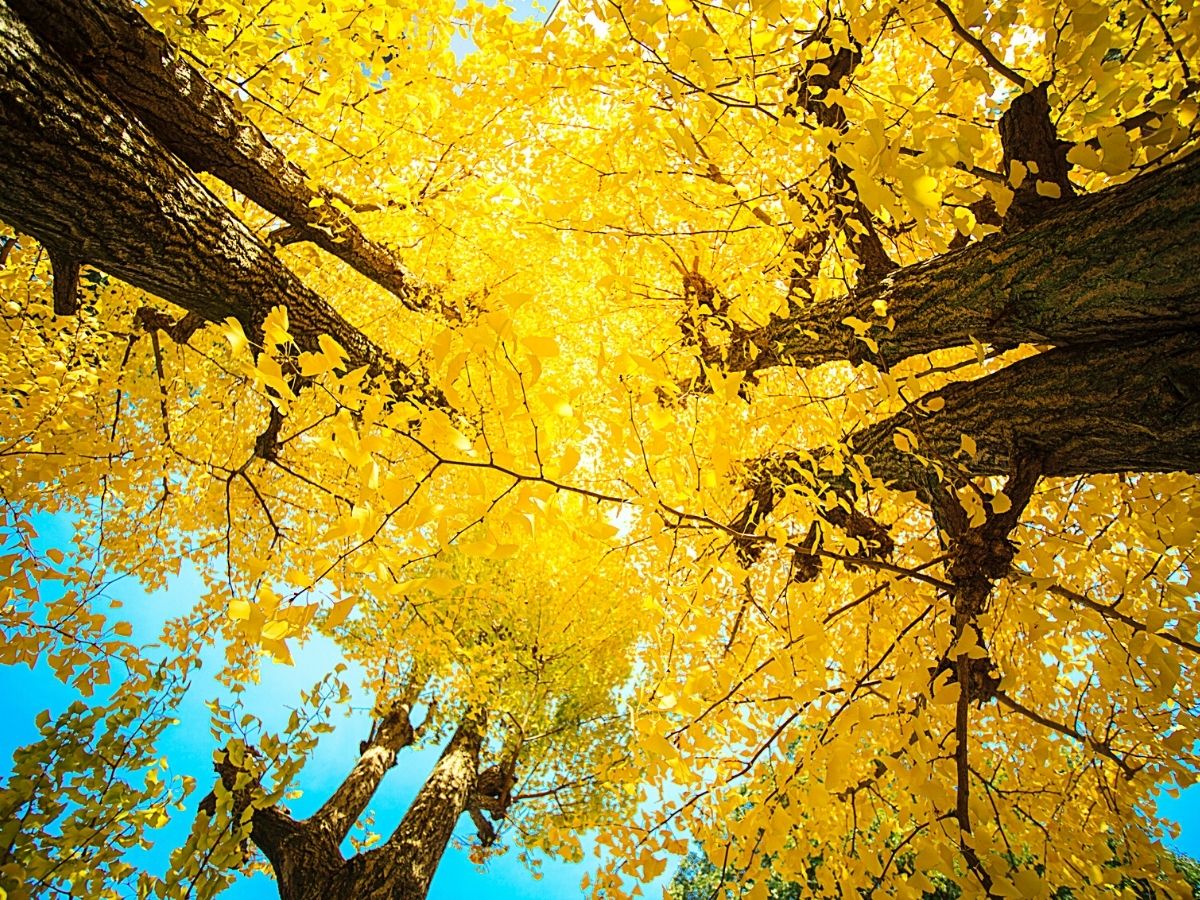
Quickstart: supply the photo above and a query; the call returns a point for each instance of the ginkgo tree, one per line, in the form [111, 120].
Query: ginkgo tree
[862, 335]
[517, 664]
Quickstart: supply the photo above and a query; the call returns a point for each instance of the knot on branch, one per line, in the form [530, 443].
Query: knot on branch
[391, 731]
[766, 480]
[238, 767]
[764, 496]
[266, 445]
[701, 303]
[805, 567]
[982, 681]
[493, 794]
[239, 772]
[977, 554]
[876, 540]
[704, 306]
[493, 790]
[178, 330]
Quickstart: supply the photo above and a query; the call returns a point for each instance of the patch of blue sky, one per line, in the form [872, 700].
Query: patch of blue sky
[188, 746]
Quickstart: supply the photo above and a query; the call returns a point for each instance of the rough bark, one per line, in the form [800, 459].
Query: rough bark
[1119, 262]
[1086, 410]
[88, 180]
[1028, 137]
[306, 855]
[403, 868]
[338, 814]
[110, 42]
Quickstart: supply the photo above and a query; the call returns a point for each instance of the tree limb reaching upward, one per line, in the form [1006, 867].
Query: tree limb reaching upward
[1120, 261]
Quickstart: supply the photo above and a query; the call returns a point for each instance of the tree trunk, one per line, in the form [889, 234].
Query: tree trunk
[90, 182]
[306, 855]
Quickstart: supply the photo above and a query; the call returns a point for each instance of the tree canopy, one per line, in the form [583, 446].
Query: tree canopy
[768, 427]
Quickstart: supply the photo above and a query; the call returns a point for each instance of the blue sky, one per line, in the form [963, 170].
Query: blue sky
[189, 748]
[189, 745]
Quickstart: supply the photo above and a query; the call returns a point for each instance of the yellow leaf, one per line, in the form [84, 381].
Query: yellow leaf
[1116, 151]
[312, 364]
[568, 461]
[239, 610]
[233, 333]
[280, 652]
[920, 189]
[905, 440]
[1085, 157]
[275, 630]
[1001, 503]
[541, 347]
[731, 389]
[275, 327]
[860, 327]
[331, 357]
[1017, 172]
[330, 347]
[338, 612]
[968, 446]
[440, 584]
[980, 350]
[270, 374]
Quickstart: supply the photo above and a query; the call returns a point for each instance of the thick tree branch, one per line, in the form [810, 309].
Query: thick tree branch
[79, 174]
[337, 815]
[1140, 413]
[404, 866]
[1034, 157]
[812, 89]
[1119, 263]
[110, 42]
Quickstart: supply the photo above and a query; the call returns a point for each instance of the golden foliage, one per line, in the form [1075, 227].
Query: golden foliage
[607, 202]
